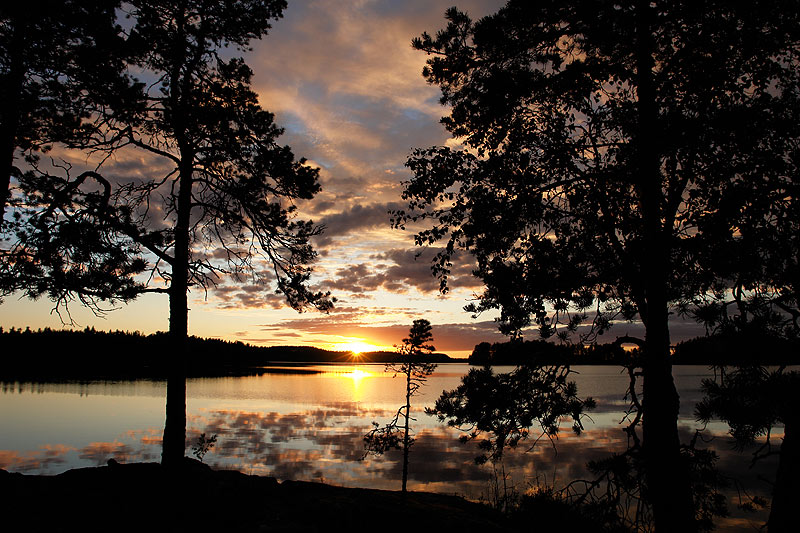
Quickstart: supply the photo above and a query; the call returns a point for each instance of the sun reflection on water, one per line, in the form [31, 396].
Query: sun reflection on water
[307, 422]
[352, 378]
[357, 375]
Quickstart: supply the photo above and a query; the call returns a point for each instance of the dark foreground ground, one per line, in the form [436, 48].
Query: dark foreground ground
[145, 497]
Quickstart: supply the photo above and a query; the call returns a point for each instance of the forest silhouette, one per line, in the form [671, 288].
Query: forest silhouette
[617, 162]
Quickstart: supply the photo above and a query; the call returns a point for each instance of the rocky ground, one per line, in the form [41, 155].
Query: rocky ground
[147, 497]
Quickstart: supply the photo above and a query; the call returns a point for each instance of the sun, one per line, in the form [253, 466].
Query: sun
[357, 347]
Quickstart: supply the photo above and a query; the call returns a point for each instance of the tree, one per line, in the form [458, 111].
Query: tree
[416, 371]
[217, 197]
[59, 63]
[228, 185]
[66, 245]
[604, 144]
[58, 59]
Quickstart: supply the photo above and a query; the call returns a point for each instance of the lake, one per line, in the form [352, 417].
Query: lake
[308, 422]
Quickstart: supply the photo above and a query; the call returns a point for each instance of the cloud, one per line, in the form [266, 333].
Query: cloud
[44, 459]
[447, 337]
[325, 443]
[347, 85]
[355, 219]
[400, 270]
[100, 452]
[247, 297]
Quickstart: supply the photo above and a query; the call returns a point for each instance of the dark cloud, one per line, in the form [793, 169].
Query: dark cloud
[447, 337]
[413, 267]
[399, 270]
[354, 219]
[247, 297]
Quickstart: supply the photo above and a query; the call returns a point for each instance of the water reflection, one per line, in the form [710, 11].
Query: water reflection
[153, 388]
[310, 426]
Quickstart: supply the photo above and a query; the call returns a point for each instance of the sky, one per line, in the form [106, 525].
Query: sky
[344, 82]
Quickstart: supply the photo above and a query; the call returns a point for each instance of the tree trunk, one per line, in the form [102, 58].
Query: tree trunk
[174, 445]
[11, 93]
[786, 493]
[666, 475]
[405, 434]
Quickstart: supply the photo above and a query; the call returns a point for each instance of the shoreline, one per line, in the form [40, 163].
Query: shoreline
[136, 496]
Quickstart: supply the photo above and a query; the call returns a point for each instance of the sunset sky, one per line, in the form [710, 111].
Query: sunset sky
[343, 80]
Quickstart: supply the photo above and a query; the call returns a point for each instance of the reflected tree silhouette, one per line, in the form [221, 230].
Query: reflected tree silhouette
[620, 484]
[754, 400]
[499, 411]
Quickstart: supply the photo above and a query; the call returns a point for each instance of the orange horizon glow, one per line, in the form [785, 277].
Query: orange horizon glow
[359, 346]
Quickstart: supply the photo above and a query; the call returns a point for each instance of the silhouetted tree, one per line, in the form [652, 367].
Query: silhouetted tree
[218, 196]
[501, 410]
[60, 62]
[65, 245]
[600, 139]
[397, 433]
[228, 187]
[57, 60]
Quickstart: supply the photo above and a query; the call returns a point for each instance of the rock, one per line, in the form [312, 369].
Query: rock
[147, 496]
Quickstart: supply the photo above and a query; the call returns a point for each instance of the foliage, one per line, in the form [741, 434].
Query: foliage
[217, 199]
[754, 346]
[552, 510]
[611, 153]
[397, 433]
[384, 438]
[619, 489]
[548, 193]
[754, 399]
[58, 61]
[204, 121]
[220, 200]
[67, 247]
[502, 408]
[381, 439]
[86, 354]
[203, 446]
[413, 351]
[545, 353]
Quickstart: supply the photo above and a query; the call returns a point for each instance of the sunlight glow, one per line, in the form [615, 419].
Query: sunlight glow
[352, 382]
[357, 375]
[358, 347]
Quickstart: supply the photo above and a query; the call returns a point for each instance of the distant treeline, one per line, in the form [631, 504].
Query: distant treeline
[540, 352]
[738, 349]
[735, 349]
[71, 354]
[88, 353]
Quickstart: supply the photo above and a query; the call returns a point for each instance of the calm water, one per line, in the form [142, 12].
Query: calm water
[310, 426]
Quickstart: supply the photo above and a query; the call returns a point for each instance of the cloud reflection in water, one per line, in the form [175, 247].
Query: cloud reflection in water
[311, 427]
